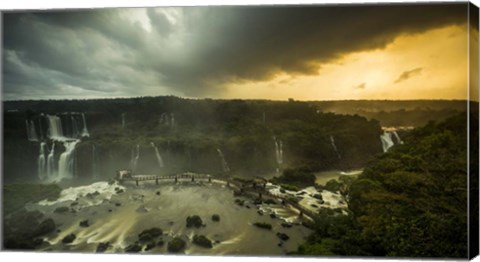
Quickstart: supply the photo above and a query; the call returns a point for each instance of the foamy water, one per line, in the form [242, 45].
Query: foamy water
[119, 218]
[104, 189]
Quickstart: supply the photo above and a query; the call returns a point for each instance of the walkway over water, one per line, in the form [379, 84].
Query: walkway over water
[246, 188]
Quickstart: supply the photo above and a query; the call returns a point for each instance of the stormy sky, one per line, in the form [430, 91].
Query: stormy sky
[303, 52]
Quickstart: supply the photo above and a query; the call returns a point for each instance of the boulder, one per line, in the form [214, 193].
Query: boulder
[84, 223]
[133, 248]
[318, 196]
[102, 247]
[263, 225]
[150, 246]
[283, 236]
[215, 217]
[160, 243]
[270, 202]
[92, 195]
[194, 221]
[61, 210]
[202, 241]
[69, 239]
[150, 235]
[176, 245]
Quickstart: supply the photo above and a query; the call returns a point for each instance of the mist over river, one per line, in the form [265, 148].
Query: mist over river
[119, 217]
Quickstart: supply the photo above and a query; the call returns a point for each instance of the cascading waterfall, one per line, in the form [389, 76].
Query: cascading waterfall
[55, 127]
[74, 127]
[157, 154]
[225, 167]
[41, 128]
[51, 162]
[387, 141]
[85, 130]
[164, 120]
[67, 160]
[135, 157]
[332, 141]
[172, 120]
[94, 161]
[31, 132]
[68, 134]
[41, 162]
[278, 152]
[399, 140]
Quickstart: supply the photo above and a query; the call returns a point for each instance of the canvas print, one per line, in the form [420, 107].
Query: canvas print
[303, 130]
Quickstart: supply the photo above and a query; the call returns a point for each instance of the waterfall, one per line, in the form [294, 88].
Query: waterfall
[51, 162]
[40, 127]
[123, 120]
[55, 127]
[157, 154]
[225, 167]
[94, 162]
[278, 151]
[332, 141]
[399, 140]
[67, 159]
[164, 119]
[387, 141]
[85, 130]
[135, 157]
[172, 120]
[31, 132]
[74, 127]
[41, 162]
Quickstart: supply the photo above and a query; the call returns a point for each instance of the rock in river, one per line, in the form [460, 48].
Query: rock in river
[150, 235]
[216, 217]
[68, 239]
[194, 221]
[176, 245]
[84, 223]
[102, 247]
[203, 241]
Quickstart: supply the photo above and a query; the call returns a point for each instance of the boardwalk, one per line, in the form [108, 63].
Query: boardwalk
[251, 189]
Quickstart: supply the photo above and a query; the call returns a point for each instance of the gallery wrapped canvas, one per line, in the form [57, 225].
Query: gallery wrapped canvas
[335, 130]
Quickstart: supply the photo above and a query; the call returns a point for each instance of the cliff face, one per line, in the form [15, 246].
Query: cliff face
[167, 135]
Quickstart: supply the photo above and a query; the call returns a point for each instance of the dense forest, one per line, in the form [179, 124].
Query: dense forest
[409, 202]
[414, 113]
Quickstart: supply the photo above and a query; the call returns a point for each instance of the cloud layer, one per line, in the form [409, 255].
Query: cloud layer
[408, 74]
[193, 51]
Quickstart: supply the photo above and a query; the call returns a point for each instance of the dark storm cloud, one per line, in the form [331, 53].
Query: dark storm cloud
[202, 49]
[408, 74]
